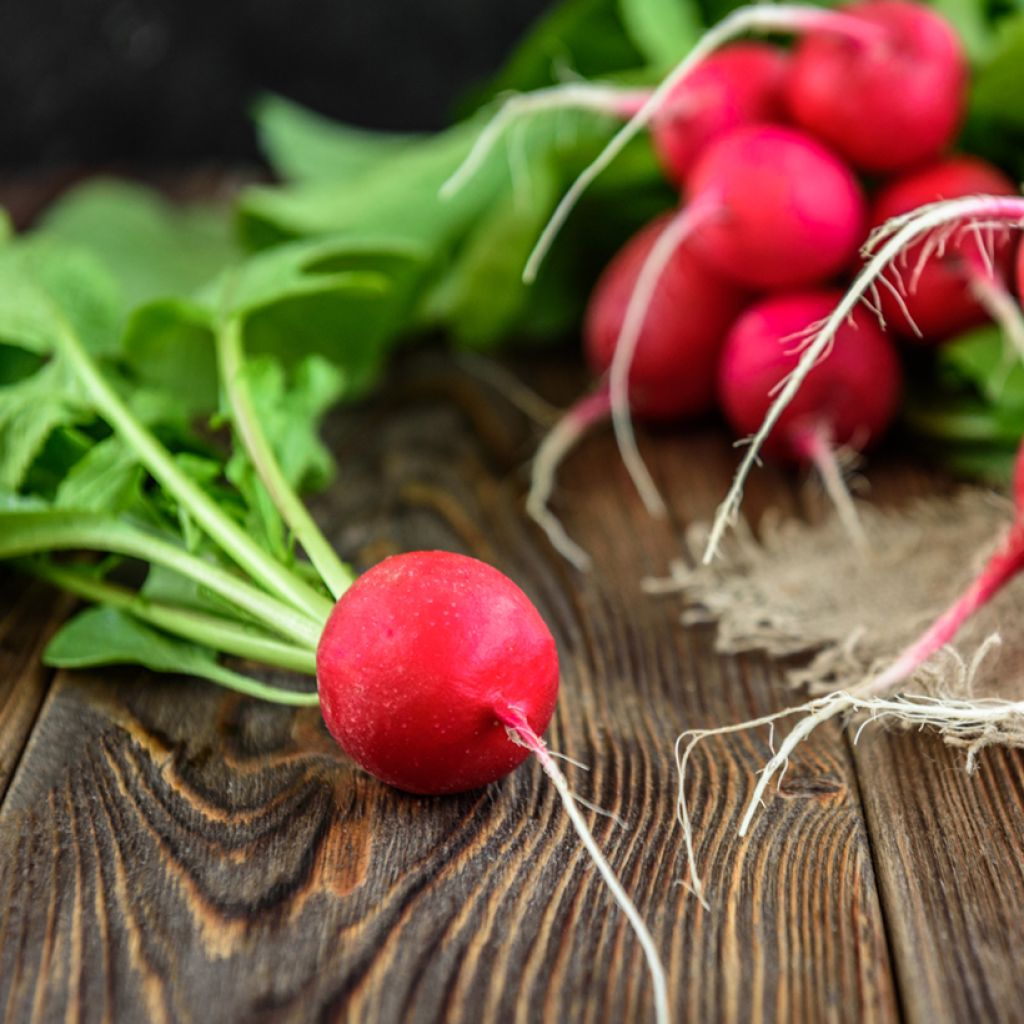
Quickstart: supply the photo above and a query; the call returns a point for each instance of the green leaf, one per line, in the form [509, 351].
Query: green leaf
[43, 284]
[663, 30]
[106, 636]
[30, 411]
[106, 479]
[304, 146]
[153, 248]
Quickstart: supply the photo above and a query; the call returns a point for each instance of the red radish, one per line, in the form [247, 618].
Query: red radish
[884, 247]
[437, 675]
[792, 212]
[849, 398]
[673, 369]
[942, 289]
[889, 104]
[421, 664]
[741, 84]
[655, 323]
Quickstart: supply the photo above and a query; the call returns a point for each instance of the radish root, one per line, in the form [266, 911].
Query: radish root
[882, 249]
[520, 731]
[565, 435]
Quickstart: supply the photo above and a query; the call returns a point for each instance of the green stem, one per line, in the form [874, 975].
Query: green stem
[254, 688]
[212, 631]
[231, 355]
[32, 533]
[263, 568]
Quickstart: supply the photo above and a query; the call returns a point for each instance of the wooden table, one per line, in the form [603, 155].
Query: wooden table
[170, 852]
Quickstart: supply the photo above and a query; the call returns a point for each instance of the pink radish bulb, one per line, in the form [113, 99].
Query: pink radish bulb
[941, 282]
[792, 213]
[741, 84]
[421, 664]
[884, 105]
[672, 373]
[853, 393]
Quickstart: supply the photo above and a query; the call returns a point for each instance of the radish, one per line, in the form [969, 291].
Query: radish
[655, 323]
[425, 662]
[849, 398]
[888, 105]
[884, 248]
[963, 282]
[759, 17]
[742, 84]
[434, 671]
[792, 213]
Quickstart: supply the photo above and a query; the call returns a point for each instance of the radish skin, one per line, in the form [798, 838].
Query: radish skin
[889, 106]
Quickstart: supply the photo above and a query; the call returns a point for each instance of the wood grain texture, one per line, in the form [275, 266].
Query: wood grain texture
[168, 852]
[948, 852]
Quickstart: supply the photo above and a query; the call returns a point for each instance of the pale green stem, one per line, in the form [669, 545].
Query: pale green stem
[212, 631]
[263, 568]
[67, 531]
[231, 355]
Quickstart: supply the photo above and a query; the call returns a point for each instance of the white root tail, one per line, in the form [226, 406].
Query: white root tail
[520, 731]
[563, 437]
[756, 17]
[600, 99]
[884, 246]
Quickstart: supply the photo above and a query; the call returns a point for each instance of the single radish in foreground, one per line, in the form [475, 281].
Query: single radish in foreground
[742, 84]
[958, 281]
[885, 247]
[887, 105]
[426, 663]
[669, 317]
[849, 398]
[434, 670]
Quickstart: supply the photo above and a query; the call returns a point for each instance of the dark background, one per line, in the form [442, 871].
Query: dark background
[165, 82]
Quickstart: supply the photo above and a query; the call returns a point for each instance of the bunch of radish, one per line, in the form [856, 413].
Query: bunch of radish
[786, 159]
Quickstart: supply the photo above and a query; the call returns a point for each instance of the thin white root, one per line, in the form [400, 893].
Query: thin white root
[520, 731]
[552, 451]
[818, 446]
[883, 247]
[756, 17]
[671, 237]
[971, 724]
[602, 99]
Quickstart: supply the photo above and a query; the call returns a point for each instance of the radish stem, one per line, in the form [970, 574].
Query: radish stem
[761, 17]
[514, 719]
[553, 449]
[31, 533]
[263, 568]
[223, 635]
[883, 247]
[994, 297]
[230, 352]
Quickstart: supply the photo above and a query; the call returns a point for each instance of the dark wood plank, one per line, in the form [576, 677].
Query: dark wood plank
[168, 852]
[947, 850]
[28, 615]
